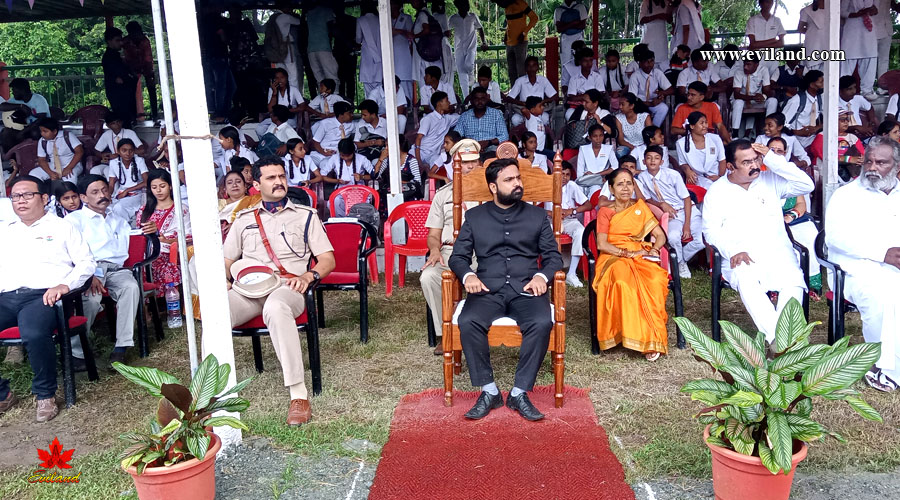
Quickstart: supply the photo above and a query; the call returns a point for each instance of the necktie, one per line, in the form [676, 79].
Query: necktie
[343, 132]
[748, 83]
[325, 105]
[56, 161]
[657, 191]
[813, 115]
[698, 76]
[648, 90]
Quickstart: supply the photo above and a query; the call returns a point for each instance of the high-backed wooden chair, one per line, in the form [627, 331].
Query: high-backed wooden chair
[539, 187]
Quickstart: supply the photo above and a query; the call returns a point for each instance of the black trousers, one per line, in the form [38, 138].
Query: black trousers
[25, 308]
[532, 314]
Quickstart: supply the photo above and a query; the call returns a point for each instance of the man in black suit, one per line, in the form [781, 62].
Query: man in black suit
[507, 236]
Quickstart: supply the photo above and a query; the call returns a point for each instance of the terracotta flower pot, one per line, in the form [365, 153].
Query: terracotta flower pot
[742, 477]
[193, 479]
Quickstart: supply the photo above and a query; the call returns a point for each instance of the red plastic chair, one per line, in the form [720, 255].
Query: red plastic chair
[92, 118]
[313, 199]
[25, 155]
[592, 213]
[352, 241]
[352, 195]
[698, 191]
[414, 213]
[142, 251]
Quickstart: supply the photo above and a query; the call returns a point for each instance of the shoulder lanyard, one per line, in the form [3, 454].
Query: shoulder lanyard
[265, 240]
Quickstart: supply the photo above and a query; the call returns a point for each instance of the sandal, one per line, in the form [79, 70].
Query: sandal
[879, 381]
[651, 356]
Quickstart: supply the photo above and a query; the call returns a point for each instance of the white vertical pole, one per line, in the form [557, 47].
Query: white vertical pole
[828, 170]
[176, 182]
[187, 71]
[390, 101]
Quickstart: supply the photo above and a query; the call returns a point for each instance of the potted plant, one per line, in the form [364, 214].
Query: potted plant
[176, 458]
[759, 416]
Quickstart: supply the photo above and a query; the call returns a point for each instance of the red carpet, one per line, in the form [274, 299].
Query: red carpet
[435, 453]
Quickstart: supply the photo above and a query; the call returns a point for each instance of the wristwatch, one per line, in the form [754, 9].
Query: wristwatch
[316, 275]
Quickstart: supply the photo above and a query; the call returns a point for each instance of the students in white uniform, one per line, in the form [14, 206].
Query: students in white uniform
[884, 31]
[650, 85]
[665, 188]
[300, 169]
[774, 128]
[531, 84]
[859, 240]
[859, 107]
[813, 25]
[281, 93]
[570, 19]
[285, 19]
[860, 43]
[573, 66]
[371, 129]
[108, 142]
[346, 168]
[465, 25]
[530, 152]
[596, 157]
[127, 176]
[369, 39]
[587, 77]
[537, 122]
[688, 29]
[230, 139]
[742, 217]
[433, 83]
[573, 203]
[753, 86]
[615, 81]
[432, 130]
[803, 112]
[700, 154]
[766, 31]
[58, 153]
[331, 131]
[420, 25]
[652, 136]
[655, 17]
[402, 25]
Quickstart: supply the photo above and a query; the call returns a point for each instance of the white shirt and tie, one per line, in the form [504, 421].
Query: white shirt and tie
[109, 140]
[58, 154]
[668, 186]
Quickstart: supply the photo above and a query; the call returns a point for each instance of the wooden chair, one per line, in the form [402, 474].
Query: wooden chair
[539, 187]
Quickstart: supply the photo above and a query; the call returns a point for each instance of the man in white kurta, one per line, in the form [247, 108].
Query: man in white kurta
[742, 217]
[859, 42]
[292, 62]
[466, 26]
[369, 38]
[860, 231]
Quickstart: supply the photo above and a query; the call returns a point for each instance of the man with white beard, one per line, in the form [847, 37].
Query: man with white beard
[742, 217]
[862, 237]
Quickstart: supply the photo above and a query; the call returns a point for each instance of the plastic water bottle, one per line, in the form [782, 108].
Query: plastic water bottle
[173, 306]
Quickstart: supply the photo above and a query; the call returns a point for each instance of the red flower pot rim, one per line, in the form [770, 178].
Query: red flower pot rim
[796, 458]
[215, 445]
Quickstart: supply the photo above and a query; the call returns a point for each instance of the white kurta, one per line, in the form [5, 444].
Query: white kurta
[705, 162]
[750, 220]
[687, 15]
[857, 41]
[656, 33]
[402, 48]
[859, 230]
[446, 63]
[816, 37]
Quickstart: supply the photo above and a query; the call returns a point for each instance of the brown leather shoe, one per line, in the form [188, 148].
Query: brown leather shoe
[439, 348]
[8, 403]
[299, 412]
[46, 410]
[14, 355]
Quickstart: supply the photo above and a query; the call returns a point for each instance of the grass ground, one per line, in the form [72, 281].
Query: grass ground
[637, 402]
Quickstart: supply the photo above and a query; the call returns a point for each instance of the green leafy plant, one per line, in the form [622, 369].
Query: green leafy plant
[178, 433]
[765, 398]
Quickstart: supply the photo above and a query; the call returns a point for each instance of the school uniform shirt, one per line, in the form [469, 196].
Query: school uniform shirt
[816, 37]
[798, 118]
[493, 91]
[364, 129]
[292, 97]
[402, 50]
[892, 106]
[319, 103]
[299, 172]
[855, 104]
[632, 68]
[572, 197]
[725, 71]
[107, 236]
[65, 153]
[614, 80]
[589, 163]
[692, 74]
[793, 149]
[656, 32]
[638, 155]
[523, 88]
[283, 132]
[765, 29]
[540, 161]
[686, 14]
[369, 38]
[427, 91]
[109, 140]
[670, 184]
[38, 105]
[753, 83]
[433, 127]
[124, 175]
[377, 94]
[645, 85]
[48, 253]
[336, 168]
[227, 155]
[329, 133]
[703, 161]
[465, 31]
[537, 126]
[579, 84]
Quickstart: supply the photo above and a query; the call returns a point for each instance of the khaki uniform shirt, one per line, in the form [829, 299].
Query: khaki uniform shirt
[440, 215]
[285, 233]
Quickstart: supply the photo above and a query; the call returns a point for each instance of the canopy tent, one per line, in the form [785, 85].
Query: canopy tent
[42, 10]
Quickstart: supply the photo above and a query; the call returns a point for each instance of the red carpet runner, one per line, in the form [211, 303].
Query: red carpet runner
[435, 453]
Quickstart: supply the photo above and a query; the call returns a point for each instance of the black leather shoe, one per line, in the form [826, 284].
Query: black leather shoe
[523, 405]
[485, 403]
[116, 357]
[78, 365]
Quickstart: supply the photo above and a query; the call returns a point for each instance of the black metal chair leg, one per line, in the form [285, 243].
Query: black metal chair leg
[320, 303]
[65, 348]
[592, 311]
[143, 339]
[432, 336]
[832, 323]
[363, 314]
[89, 360]
[839, 306]
[157, 321]
[257, 353]
[312, 341]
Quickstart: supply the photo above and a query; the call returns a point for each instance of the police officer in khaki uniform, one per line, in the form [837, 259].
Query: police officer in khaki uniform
[291, 236]
[440, 233]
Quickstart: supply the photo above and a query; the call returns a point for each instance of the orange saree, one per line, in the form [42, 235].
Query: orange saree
[631, 293]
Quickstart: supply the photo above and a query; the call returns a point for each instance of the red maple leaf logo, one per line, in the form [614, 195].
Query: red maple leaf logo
[55, 456]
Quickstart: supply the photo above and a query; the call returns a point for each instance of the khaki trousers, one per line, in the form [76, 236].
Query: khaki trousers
[431, 287]
[278, 309]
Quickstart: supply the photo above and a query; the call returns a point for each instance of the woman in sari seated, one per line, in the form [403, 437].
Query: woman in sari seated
[630, 284]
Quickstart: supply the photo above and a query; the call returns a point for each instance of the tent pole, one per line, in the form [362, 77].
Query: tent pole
[176, 184]
[829, 169]
[193, 117]
[395, 197]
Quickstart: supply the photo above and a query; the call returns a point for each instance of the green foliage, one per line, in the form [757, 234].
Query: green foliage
[765, 401]
[179, 431]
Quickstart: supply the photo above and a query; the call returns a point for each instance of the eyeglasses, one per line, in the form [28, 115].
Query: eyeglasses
[23, 196]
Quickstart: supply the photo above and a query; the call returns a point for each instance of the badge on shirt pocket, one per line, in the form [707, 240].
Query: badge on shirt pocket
[712, 150]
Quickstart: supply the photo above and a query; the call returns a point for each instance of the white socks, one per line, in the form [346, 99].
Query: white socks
[515, 392]
[573, 267]
[491, 389]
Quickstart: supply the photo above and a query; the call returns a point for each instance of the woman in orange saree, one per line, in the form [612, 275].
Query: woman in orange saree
[630, 284]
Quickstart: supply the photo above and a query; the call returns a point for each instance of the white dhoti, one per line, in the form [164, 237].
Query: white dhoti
[686, 251]
[753, 281]
[873, 289]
